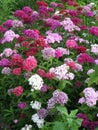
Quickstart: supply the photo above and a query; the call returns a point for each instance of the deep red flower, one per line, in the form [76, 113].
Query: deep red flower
[41, 3]
[22, 116]
[76, 20]
[49, 75]
[16, 60]
[41, 72]
[21, 39]
[40, 43]
[31, 52]
[78, 83]
[25, 44]
[81, 49]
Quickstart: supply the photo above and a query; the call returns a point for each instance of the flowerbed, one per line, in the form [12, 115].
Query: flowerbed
[48, 63]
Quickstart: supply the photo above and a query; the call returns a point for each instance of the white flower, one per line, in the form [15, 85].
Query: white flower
[79, 67]
[87, 80]
[27, 127]
[71, 76]
[90, 71]
[35, 105]
[94, 49]
[40, 123]
[61, 72]
[37, 120]
[36, 81]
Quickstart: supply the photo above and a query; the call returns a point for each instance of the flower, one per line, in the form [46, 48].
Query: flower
[27, 127]
[94, 49]
[37, 120]
[18, 91]
[9, 36]
[42, 113]
[62, 72]
[47, 53]
[22, 105]
[60, 97]
[16, 60]
[8, 23]
[90, 97]
[8, 52]
[35, 105]
[16, 71]
[15, 121]
[53, 37]
[84, 57]
[58, 53]
[71, 44]
[17, 23]
[44, 88]
[29, 63]
[6, 70]
[36, 81]
[5, 62]
[93, 30]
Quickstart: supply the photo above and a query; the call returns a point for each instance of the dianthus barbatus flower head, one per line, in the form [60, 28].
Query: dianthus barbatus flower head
[69, 25]
[52, 23]
[90, 97]
[42, 113]
[27, 127]
[60, 97]
[17, 23]
[37, 120]
[53, 37]
[35, 105]
[29, 63]
[6, 70]
[47, 53]
[9, 36]
[62, 72]
[36, 81]
[31, 34]
[94, 49]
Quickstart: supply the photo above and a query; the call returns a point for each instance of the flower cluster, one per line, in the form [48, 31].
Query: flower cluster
[36, 81]
[90, 97]
[58, 97]
[62, 72]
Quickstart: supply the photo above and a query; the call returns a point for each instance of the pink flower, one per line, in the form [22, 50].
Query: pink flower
[71, 44]
[44, 88]
[30, 63]
[18, 91]
[58, 53]
[94, 30]
[71, 64]
[16, 71]
[15, 121]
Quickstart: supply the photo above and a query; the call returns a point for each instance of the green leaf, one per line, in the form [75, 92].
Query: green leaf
[58, 125]
[63, 110]
[70, 121]
[96, 128]
[78, 122]
[73, 113]
[62, 84]
[93, 76]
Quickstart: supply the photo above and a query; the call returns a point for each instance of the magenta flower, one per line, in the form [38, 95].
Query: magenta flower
[22, 105]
